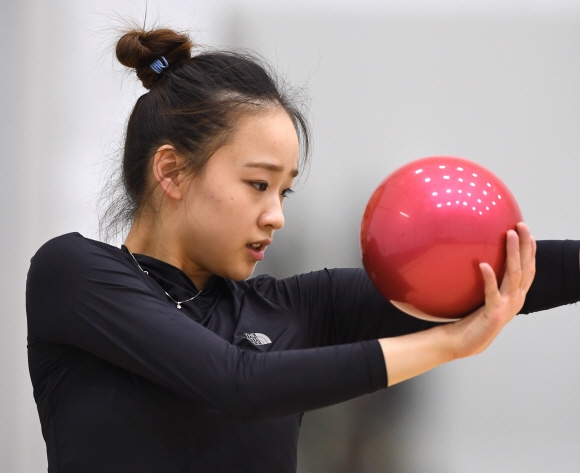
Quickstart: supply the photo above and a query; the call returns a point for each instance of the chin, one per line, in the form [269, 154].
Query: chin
[240, 274]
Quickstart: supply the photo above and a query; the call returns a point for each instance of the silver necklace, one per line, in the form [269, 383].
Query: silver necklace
[177, 303]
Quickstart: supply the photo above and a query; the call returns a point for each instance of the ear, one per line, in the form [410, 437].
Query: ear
[166, 165]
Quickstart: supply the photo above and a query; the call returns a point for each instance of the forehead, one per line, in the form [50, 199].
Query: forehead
[266, 139]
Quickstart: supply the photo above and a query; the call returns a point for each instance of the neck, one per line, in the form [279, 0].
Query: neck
[151, 238]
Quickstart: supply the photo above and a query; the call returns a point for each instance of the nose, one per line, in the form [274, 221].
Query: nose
[272, 216]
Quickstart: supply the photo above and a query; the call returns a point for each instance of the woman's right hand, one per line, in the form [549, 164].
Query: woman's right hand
[410, 355]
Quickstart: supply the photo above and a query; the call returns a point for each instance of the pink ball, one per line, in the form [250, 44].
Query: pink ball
[426, 229]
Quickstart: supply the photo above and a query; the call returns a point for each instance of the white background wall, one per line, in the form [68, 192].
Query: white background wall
[390, 81]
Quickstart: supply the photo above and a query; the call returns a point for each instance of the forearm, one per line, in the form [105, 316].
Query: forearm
[410, 355]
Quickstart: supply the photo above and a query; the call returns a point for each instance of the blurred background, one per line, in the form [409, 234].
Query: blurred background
[390, 81]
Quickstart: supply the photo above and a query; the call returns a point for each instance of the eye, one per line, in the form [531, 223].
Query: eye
[259, 186]
[287, 193]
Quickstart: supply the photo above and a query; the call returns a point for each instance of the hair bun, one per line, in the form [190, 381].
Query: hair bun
[138, 49]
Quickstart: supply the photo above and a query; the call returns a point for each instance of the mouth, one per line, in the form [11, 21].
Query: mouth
[257, 249]
[256, 246]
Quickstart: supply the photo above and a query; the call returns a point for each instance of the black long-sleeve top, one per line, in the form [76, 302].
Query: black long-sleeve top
[125, 381]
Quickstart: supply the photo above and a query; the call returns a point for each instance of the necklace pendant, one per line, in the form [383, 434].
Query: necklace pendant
[178, 305]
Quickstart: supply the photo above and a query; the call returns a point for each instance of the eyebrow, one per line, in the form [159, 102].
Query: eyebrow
[270, 167]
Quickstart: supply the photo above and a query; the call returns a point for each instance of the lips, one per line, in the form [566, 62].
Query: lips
[257, 248]
[259, 245]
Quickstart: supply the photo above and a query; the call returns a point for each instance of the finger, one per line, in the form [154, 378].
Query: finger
[525, 238]
[492, 294]
[527, 256]
[494, 310]
[529, 269]
[513, 273]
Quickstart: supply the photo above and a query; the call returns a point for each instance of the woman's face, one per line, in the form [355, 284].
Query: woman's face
[233, 206]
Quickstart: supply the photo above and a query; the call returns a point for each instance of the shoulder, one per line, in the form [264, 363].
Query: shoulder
[75, 246]
[73, 255]
[72, 243]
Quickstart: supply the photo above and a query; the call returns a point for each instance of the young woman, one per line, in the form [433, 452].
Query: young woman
[161, 356]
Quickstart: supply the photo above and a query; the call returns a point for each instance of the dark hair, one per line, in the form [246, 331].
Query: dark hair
[193, 105]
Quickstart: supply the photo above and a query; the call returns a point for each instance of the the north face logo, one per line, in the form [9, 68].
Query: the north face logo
[258, 338]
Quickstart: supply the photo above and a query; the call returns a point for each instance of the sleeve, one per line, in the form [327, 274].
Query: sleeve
[342, 305]
[83, 295]
[557, 280]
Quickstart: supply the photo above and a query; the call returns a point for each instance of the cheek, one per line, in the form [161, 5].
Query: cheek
[218, 215]
[207, 201]
[217, 198]
[220, 218]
